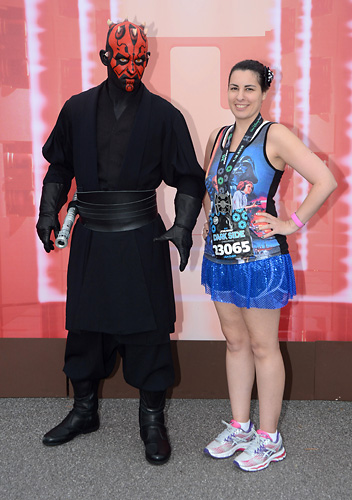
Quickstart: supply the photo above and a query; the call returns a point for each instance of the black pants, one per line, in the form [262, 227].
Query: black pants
[92, 355]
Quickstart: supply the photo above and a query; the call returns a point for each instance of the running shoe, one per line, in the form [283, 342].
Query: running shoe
[261, 451]
[230, 440]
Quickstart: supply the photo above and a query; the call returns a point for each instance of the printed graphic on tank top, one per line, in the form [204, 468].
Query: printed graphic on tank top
[233, 236]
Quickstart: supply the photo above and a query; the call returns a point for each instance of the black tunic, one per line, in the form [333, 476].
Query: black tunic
[121, 283]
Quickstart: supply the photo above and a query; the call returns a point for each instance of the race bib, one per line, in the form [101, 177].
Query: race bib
[230, 235]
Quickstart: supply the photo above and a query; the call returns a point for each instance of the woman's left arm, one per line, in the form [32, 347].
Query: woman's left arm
[284, 147]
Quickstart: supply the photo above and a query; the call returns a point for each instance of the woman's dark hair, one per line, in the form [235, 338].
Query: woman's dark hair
[265, 75]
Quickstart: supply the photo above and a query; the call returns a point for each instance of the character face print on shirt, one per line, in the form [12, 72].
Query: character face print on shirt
[245, 170]
[127, 49]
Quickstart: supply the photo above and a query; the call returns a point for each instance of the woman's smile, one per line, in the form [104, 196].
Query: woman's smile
[245, 95]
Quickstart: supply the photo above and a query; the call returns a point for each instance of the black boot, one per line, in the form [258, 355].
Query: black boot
[152, 429]
[82, 419]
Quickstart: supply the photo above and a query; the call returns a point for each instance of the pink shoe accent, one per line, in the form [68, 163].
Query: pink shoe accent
[280, 457]
[263, 434]
[235, 424]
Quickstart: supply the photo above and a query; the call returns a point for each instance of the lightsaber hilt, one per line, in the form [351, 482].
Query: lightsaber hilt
[65, 231]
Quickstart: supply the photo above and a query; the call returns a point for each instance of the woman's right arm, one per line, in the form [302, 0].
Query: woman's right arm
[208, 151]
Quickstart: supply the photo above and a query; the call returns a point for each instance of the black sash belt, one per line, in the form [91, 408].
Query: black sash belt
[110, 211]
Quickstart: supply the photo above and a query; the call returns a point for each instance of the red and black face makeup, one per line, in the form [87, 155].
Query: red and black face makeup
[127, 46]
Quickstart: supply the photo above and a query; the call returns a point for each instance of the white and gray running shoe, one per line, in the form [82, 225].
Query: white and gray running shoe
[261, 451]
[232, 439]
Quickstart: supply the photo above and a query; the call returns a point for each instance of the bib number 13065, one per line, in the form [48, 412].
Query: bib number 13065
[239, 249]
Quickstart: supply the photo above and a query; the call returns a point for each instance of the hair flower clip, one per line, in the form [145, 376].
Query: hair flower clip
[269, 75]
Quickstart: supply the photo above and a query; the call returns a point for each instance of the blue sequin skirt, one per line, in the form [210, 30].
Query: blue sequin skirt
[264, 284]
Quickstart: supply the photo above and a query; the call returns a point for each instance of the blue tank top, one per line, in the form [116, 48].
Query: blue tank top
[233, 237]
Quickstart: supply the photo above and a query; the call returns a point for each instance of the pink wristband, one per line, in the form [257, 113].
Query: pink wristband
[296, 220]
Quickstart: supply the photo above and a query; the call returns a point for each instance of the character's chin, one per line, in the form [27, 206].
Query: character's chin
[132, 85]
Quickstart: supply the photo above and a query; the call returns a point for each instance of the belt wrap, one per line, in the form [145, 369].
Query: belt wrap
[112, 211]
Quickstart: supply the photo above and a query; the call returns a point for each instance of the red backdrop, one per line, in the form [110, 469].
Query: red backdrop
[307, 43]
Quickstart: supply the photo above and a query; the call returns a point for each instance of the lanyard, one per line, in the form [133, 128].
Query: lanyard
[224, 171]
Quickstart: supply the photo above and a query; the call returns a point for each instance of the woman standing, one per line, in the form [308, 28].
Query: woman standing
[247, 269]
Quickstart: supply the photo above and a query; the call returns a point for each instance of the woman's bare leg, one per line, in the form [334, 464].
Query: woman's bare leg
[263, 326]
[240, 366]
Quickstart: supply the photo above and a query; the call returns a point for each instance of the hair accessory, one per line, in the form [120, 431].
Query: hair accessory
[269, 75]
[296, 220]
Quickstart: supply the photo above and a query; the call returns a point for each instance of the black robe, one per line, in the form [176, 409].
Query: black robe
[121, 283]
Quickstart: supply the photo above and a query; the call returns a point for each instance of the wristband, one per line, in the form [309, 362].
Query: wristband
[296, 220]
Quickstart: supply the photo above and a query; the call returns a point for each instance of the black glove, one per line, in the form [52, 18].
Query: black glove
[54, 196]
[187, 210]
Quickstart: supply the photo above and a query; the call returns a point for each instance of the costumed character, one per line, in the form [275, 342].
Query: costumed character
[119, 141]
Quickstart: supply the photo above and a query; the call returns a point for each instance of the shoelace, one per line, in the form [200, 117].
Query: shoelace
[255, 444]
[224, 435]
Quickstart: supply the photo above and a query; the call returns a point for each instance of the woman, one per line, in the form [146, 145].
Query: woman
[247, 269]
